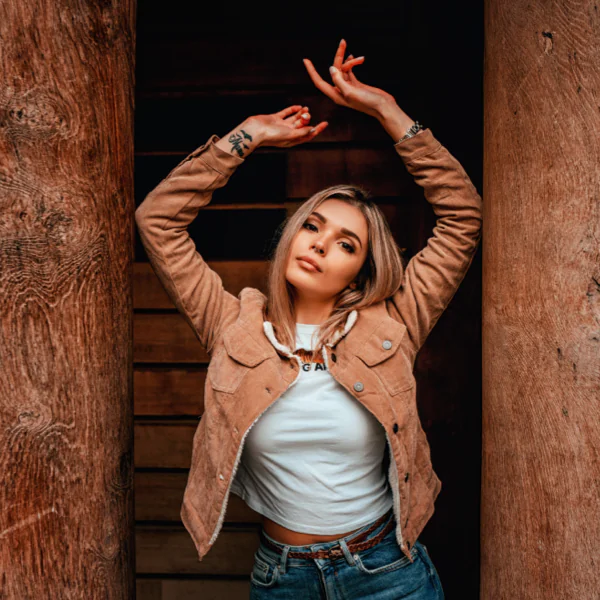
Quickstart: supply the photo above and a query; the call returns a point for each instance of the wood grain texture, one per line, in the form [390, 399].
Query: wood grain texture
[215, 588]
[169, 549]
[158, 497]
[541, 293]
[66, 234]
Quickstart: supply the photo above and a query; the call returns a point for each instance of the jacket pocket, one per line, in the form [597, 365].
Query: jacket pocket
[238, 356]
[381, 354]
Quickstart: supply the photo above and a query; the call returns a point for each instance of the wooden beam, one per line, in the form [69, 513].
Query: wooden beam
[66, 233]
[540, 520]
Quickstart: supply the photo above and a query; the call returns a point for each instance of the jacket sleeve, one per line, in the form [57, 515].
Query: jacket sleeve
[432, 276]
[162, 219]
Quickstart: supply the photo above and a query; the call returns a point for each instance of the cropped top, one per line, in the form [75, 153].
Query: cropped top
[313, 462]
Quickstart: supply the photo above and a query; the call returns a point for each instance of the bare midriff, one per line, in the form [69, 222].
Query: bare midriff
[284, 535]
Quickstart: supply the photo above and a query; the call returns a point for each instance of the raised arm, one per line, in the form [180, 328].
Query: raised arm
[167, 211]
[432, 276]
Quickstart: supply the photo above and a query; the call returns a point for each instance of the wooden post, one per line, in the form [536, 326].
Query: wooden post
[66, 250]
[541, 301]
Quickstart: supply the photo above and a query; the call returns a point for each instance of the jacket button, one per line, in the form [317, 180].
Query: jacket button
[395, 428]
[406, 477]
[333, 357]
[387, 344]
[358, 386]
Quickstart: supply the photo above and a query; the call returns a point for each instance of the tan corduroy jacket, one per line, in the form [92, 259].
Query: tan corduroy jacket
[372, 357]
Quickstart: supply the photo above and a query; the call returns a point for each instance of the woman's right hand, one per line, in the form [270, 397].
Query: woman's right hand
[286, 128]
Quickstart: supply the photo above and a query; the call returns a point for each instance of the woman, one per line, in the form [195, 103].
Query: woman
[306, 450]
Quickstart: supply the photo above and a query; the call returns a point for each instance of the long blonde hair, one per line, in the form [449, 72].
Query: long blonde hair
[379, 277]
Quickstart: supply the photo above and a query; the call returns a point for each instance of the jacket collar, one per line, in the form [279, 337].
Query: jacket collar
[270, 333]
[250, 339]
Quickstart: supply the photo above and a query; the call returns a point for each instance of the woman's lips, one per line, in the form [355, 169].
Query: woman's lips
[306, 265]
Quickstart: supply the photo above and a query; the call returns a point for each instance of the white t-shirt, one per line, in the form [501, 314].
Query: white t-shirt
[313, 460]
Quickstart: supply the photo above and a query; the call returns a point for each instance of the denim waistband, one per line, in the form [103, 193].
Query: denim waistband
[322, 545]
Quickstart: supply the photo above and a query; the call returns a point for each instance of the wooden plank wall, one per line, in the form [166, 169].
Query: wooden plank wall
[199, 73]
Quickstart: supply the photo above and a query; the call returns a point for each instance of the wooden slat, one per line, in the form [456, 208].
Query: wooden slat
[158, 497]
[149, 293]
[380, 170]
[164, 444]
[169, 549]
[193, 589]
[169, 391]
[165, 338]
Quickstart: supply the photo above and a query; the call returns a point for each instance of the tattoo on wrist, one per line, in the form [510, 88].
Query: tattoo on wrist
[237, 141]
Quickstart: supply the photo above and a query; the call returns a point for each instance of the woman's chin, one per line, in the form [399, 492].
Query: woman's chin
[303, 282]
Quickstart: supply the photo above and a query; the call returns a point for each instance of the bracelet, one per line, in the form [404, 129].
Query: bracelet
[411, 131]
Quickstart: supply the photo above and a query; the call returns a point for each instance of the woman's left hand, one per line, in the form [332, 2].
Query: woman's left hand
[348, 90]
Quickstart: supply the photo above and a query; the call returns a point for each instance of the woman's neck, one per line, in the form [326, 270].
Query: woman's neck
[314, 314]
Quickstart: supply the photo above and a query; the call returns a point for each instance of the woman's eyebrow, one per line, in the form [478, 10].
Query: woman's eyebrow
[342, 229]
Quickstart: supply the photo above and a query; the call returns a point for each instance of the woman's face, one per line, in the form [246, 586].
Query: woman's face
[335, 236]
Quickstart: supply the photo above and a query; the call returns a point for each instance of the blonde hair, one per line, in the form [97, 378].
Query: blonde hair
[379, 277]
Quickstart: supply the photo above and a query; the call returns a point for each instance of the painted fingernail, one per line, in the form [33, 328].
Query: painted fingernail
[313, 130]
[332, 69]
[305, 116]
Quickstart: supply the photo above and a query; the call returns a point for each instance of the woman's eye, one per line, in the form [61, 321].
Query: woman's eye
[348, 247]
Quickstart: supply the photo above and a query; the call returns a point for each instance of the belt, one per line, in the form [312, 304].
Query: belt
[355, 544]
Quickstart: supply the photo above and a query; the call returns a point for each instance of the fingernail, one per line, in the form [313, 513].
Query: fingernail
[332, 69]
[305, 116]
[313, 130]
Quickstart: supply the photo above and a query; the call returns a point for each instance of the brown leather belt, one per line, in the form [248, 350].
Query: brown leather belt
[354, 544]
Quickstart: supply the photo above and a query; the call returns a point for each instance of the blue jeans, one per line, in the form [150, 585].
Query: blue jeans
[381, 572]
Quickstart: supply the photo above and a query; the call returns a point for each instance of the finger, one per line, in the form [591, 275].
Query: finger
[345, 74]
[322, 85]
[352, 63]
[349, 75]
[290, 110]
[308, 133]
[303, 119]
[300, 110]
[339, 55]
[318, 128]
[343, 86]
